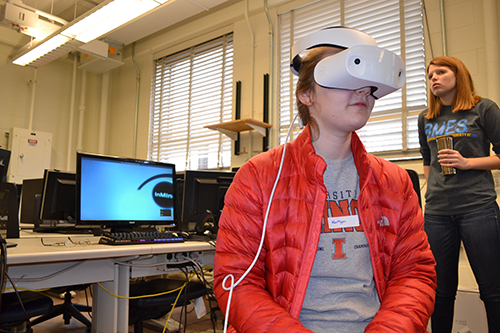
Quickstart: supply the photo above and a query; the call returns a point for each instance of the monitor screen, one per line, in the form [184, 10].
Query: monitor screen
[58, 196]
[113, 192]
[203, 191]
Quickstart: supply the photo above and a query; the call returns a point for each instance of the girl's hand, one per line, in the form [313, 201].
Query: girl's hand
[452, 158]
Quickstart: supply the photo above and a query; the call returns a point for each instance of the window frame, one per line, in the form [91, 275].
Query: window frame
[413, 96]
[185, 98]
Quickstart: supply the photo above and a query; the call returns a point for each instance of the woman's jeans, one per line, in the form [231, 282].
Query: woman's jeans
[480, 233]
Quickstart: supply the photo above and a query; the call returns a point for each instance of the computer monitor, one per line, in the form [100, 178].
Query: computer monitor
[4, 164]
[179, 185]
[204, 192]
[31, 193]
[124, 193]
[58, 196]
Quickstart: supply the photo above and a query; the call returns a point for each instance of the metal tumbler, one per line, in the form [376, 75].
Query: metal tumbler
[446, 142]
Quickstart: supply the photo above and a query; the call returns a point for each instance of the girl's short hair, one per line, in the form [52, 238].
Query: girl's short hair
[465, 96]
[306, 82]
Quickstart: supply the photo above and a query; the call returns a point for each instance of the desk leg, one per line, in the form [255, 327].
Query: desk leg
[105, 306]
[123, 290]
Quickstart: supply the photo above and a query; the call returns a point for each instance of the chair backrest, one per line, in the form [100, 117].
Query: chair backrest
[13, 314]
[416, 184]
[145, 308]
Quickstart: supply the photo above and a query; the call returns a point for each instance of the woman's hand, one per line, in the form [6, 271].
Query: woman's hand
[452, 158]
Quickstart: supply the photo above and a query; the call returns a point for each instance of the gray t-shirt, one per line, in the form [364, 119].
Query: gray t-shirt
[341, 295]
[472, 131]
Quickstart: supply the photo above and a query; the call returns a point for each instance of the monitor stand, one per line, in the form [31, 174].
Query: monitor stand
[205, 228]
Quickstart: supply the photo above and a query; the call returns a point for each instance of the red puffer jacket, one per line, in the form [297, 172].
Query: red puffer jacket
[270, 298]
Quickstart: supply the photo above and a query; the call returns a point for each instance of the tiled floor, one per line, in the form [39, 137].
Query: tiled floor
[56, 325]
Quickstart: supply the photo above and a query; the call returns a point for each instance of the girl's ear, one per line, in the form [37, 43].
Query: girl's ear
[305, 98]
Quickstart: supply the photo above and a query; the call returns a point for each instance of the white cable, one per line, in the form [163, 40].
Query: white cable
[231, 276]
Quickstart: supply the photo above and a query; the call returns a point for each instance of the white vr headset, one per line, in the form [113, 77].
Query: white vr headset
[360, 64]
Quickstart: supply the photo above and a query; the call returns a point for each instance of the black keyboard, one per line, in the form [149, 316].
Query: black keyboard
[139, 237]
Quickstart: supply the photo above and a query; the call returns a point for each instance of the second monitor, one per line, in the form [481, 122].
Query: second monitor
[58, 196]
[203, 194]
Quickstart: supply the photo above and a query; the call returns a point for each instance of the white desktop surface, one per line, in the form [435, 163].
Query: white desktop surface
[31, 250]
[32, 265]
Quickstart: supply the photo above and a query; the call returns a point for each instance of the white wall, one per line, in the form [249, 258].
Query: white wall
[465, 35]
[51, 91]
[231, 18]
[470, 27]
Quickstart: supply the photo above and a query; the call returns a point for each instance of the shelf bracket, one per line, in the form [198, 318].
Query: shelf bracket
[233, 135]
[260, 129]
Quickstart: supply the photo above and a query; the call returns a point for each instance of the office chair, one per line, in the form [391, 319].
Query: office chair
[17, 309]
[12, 314]
[154, 307]
[416, 184]
[68, 309]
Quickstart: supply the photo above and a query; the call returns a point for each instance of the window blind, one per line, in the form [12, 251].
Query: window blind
[397, 26]
[191, 89]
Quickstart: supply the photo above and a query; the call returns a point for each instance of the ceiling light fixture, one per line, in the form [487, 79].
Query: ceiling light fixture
[41, 50]
[104, 18]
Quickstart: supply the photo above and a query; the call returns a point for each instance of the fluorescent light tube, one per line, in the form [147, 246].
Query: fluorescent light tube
[107, 18]
[41, 49]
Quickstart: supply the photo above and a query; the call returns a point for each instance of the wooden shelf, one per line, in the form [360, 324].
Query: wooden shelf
[231, 128]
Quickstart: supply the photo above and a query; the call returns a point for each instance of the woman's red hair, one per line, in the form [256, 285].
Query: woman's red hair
[465, 96]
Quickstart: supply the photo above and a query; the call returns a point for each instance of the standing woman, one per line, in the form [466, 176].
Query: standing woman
[461, 207]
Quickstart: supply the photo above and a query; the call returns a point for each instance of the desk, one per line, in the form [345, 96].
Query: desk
[34, 266]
